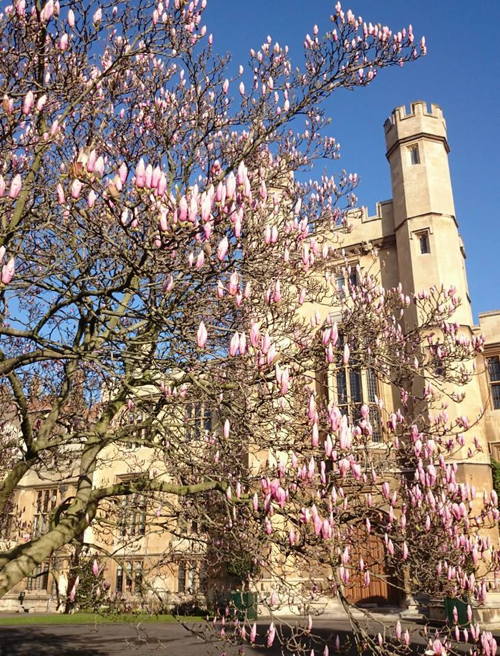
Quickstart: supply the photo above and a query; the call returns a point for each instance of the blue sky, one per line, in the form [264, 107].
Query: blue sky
[461, 73]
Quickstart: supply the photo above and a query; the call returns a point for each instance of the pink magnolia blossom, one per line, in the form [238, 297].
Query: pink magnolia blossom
[148, 176]
[230, 186]
[40, 103]
[47, 11]
[201, 335]
[99, 166]
[123, 172]
[15, 186]
[29, 101]
[91, 198]
[346, 355]
[76, 188]
[234, 344]
[140, 174]
[274, 599]
[7, 104]
[222, 248]
[8, 271]
[91, 161]
[271, 634]
[72, 592]
[64, 42]
[169, 284]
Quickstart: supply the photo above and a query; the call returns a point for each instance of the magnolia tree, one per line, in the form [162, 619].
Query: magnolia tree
[168, 281]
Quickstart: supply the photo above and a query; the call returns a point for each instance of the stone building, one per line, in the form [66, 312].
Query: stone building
[413, 239]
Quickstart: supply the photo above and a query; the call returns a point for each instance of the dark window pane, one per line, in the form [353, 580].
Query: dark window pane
[341, 387]
[355, 384]
[132, 515]
[371, 385]
[192, 576]
[119, 578]
[340, 284]
[128, 576]
[423, 239]
[207, 419]
[198, 420]
[414, 154]
[494, 368]
[39, 580]
[495, 394]
[375, 423]
[45, 503]
[353, 277]
[181, 578]
[137, 575]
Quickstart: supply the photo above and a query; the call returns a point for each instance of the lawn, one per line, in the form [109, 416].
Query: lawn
[90, 618]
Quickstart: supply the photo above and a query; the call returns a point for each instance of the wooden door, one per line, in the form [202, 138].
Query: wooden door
[382, 589]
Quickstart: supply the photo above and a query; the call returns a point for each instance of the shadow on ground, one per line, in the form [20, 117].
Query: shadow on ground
[162, 639]
[104, 640]
[31, 641]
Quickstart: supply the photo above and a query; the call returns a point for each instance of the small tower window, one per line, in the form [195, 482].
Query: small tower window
[423, 241]
[414, 154]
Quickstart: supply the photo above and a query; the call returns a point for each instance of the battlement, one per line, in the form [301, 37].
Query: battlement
[367, 228]
[383, 209]
[417, 108]
[421, 120]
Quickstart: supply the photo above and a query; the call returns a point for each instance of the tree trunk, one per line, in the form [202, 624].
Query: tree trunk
[25, 558]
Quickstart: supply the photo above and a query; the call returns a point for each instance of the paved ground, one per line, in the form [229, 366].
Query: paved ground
[102, 640]
[155, 639]
[169, 639]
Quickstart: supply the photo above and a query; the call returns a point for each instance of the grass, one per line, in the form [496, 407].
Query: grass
[90, 618]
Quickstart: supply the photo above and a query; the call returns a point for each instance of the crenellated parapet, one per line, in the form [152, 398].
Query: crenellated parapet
[382, 211]
[422, 120]
[417, 108]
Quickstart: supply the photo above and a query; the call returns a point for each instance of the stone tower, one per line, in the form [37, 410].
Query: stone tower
[429, 249]
[429, 246]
